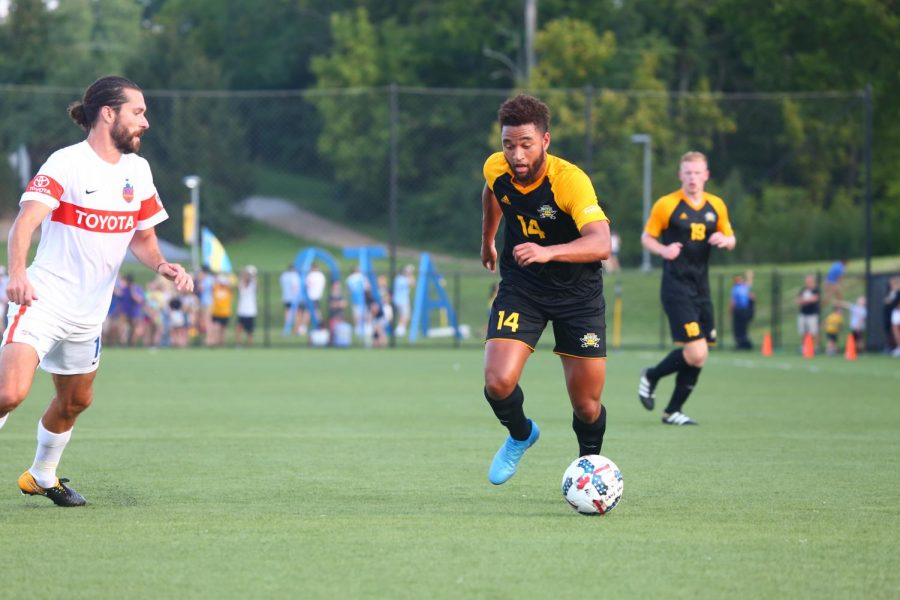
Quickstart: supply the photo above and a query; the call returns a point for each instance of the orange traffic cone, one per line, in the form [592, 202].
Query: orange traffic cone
[809, 346]
[850, 350]
[767, 344]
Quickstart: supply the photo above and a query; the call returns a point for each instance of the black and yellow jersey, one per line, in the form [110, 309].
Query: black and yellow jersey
[674, 218]
[550, 211]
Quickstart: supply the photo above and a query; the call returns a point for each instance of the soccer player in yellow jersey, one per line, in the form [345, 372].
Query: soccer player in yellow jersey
[683, 228]
[555, 235]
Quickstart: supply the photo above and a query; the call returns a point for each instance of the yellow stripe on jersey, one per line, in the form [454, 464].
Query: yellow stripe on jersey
[572, 189]
[664, 207]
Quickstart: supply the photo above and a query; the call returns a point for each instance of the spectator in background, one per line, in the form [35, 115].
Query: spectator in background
[290, 291]
[155, 311]
[742, 309]
[222, 299]
[112, 326]
[857, 312]
[357, 285]
[131, 306]
[206, 281]
[834, 323]
[833, 282]
[611, 264]
[403, 284]
[178, 324]
[891, 304]
[809, 307]
[341, 332]
[246, 307]
[315, 289]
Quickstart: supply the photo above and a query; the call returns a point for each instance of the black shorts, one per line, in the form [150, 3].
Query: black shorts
[248, 324]
[223, 321]
[690, 319]
[579, 321]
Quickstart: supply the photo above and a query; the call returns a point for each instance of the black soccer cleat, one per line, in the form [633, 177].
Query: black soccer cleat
[647, 391]
[677, 418]
[60, 494]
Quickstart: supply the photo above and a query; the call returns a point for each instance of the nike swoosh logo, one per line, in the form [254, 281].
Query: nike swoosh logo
[89, 191]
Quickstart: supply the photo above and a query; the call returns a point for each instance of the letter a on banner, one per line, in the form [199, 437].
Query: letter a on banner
[430, 295]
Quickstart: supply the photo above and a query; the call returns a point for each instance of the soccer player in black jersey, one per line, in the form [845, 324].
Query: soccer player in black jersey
[555, 235]
[683, 228]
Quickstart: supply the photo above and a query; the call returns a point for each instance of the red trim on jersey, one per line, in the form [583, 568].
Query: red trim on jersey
[15, 323]
[150, 207]
[92, 219]
[44, 184]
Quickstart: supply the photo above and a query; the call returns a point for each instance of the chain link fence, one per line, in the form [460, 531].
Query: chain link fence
[403, 165]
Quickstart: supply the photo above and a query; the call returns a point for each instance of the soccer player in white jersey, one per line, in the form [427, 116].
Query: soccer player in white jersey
[93, 201]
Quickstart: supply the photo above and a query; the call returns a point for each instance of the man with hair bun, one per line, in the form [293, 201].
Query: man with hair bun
[555, 237]
[93, 201]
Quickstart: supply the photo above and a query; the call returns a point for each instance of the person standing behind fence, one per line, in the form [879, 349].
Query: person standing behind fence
[834, 280]
[810, 308]
[742, 308]
[93, 201]
[892, 317]
[315, 289]
[289, 280]
[357, 285]
[221, 310]
[246, 307]
[683, 228]
[403, 284]
[555, 236]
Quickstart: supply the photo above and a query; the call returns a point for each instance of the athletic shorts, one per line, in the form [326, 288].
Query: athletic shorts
[690, 319]
[62, 347]
[247, 323]
[579, 322]
[223, 321]
[808, 324]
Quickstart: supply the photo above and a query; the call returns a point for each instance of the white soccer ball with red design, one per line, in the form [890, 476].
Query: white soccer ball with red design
[592, 485]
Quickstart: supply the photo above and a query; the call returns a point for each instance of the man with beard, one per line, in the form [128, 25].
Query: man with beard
[93, 201]
[555, 237]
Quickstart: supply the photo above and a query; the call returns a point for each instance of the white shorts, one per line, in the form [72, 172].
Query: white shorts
[62, 347]
[808, 324]
[403, 310]
[895, 316]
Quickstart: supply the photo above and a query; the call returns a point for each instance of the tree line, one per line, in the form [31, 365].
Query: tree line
[692, 74]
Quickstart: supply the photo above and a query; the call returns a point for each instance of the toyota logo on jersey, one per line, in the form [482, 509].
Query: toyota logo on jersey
[102, 221]
[45, 185]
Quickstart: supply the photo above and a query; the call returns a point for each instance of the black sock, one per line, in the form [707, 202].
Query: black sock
[590, 435]
[510, 413]
[674, 361]
[684, 385]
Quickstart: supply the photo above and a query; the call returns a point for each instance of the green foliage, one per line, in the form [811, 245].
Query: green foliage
[695, 48]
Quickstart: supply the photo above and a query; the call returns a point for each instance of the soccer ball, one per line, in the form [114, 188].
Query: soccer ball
[592, 485]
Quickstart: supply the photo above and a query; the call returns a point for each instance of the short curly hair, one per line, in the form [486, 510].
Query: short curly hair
[524, 110]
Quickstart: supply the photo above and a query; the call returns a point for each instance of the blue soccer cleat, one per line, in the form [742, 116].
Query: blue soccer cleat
[508, 456]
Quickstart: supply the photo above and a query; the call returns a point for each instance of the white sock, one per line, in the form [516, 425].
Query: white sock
[50, 447]
[3, 420]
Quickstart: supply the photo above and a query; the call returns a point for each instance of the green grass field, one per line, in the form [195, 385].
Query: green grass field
[362, 474]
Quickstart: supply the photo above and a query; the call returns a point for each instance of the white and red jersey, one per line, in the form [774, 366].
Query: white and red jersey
[97, 206]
